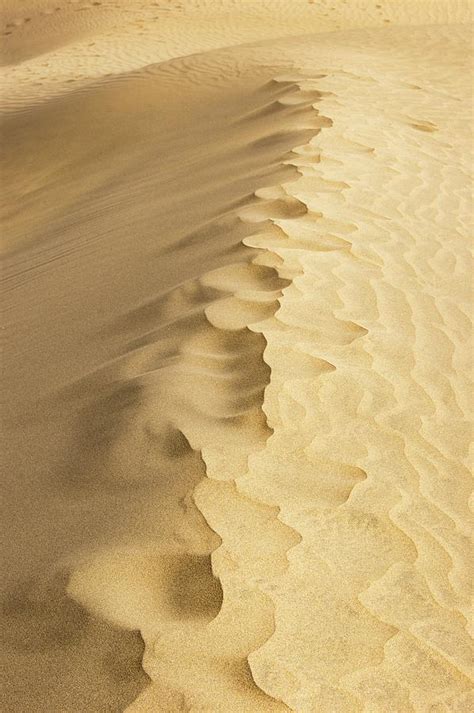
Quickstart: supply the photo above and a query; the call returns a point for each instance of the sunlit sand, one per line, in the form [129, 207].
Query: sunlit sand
[237, 356]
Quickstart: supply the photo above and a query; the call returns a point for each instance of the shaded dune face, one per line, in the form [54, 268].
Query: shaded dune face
[46, 633]
[118, 544]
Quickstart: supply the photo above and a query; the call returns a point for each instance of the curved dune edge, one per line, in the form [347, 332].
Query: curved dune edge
[225, 345]
[347, 636]
[370, 525]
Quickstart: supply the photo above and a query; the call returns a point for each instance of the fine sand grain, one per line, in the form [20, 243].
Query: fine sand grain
[237, 356]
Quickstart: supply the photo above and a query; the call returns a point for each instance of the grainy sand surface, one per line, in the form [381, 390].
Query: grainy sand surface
[237, 356]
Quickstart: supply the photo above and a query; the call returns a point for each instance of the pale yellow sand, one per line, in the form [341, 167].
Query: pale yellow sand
[237, 356]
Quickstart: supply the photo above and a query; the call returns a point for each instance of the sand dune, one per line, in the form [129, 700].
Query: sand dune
[237, 356]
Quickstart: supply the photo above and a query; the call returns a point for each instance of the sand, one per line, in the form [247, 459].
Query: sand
[236, 356]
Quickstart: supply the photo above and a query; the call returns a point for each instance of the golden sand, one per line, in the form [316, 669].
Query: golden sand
[237, 356]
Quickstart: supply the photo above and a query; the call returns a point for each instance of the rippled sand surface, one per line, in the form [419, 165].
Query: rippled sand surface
[237, 356]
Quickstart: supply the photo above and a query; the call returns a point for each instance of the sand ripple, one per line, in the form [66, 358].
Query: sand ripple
[237, 286]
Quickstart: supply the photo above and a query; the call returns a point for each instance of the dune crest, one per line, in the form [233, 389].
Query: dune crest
[236, 280]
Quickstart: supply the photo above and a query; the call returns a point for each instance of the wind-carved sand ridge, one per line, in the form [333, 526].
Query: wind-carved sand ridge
[213, 401]
[247, 455]
[199, 343]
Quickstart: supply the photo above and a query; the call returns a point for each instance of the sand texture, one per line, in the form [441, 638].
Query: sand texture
[237, 356]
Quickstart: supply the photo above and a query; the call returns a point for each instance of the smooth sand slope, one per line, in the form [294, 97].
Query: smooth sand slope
[237, 353]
